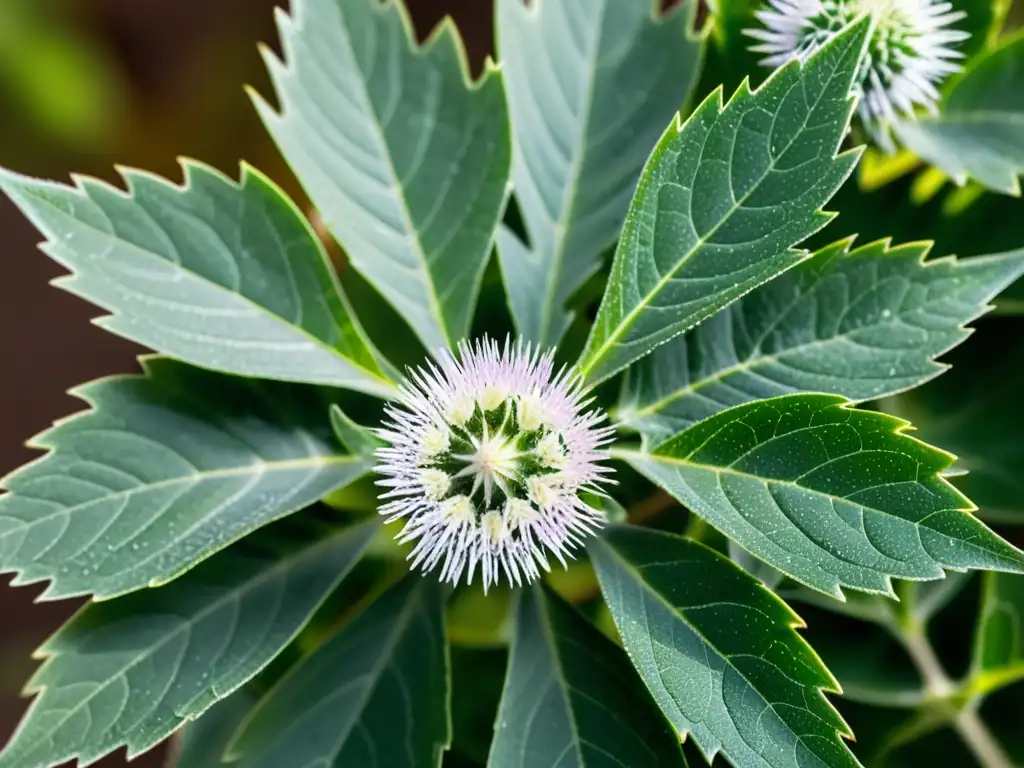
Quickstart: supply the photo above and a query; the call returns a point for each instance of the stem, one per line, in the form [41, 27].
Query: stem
[988, 752]
[983, 745]
[936, 682]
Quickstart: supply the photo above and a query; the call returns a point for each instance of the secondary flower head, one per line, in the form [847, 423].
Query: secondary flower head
[911, 49]
[488, 453]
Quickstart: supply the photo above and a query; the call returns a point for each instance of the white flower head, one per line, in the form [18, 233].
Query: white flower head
[488, 452]
[911, 49]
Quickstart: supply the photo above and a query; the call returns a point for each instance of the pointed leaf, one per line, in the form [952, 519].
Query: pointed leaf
[590, 88]
[131, 671]
[831, 496]
[999, 644]
[979, 131]
[862, 324]
[357, 439]
[722, 201]
[405, 159]
[203, 742]
[571, 699]
[223, 275]
[375, 695]
[973, 411]
[165, 469]
[719, 652]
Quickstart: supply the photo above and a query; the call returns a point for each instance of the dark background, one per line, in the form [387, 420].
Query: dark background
[85, 85]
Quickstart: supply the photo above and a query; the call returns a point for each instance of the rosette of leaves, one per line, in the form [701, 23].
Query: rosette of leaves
[217, 510]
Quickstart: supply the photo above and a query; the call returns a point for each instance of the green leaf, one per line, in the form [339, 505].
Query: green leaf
[571, 699]
[999, 644]
[984, 22]
[722, 201]
[831, 496]
[166, 469]
[375, 695]
[862, 324]
[203, 742]
[223, 275]
[131, 671]
[719, 652]
[590, 87]
[863, 643]
[979, 132]
[973, 411]
[405, 159]
[357, 439]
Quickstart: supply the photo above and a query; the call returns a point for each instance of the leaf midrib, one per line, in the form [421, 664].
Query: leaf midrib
[552, 644]
[400, 628]
[177, 266]
[412, 234]
[261, 467]
[758, 359]
[229, 596]
[675, 611]
[625, 322]
[570, 195]
[750, 363]
[632, 455]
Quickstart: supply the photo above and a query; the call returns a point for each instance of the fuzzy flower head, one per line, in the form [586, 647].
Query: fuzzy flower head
[488, 453]
[910, 52]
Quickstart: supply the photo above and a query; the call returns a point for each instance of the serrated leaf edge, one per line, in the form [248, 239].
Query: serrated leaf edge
[445, 29]
[44, 653]
[588, 359]
[383, 387]
[887, 250]
[40, 441]
[795, 623]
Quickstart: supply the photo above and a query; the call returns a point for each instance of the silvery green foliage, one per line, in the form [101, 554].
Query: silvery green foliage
[250, 515]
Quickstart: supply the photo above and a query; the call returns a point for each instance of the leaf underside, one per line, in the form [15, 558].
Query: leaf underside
[405, 160]
[719, 652]
[723, 200]
[374, 695]
[829, 495]
[863, 324]
[571, 699]
[979, 131]
[221, 274]
[166, 469]
[131, 671]
[590, 86]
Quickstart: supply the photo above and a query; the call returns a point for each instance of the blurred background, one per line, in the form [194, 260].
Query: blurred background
[86, 85]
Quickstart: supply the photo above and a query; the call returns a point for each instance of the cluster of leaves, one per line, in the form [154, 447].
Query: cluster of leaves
[218, 510]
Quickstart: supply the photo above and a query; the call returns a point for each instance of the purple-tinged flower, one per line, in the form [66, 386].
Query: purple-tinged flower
[912, 49]
[488, 454]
